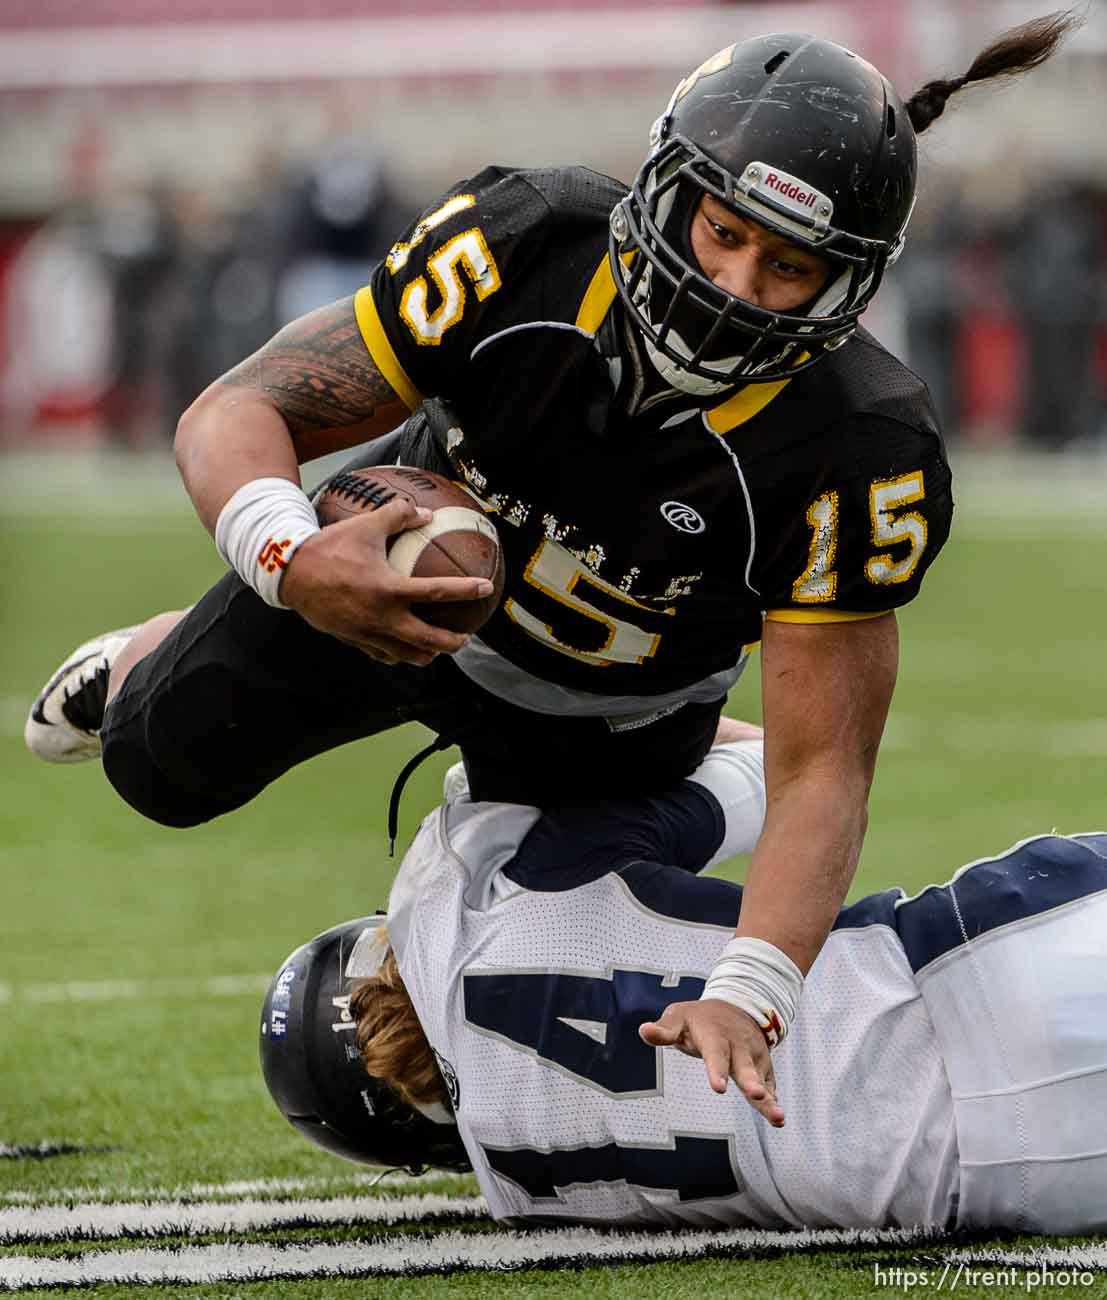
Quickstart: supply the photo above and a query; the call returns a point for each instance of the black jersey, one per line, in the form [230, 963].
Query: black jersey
[642, 553]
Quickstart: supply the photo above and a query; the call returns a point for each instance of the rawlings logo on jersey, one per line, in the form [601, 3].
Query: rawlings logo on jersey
[683, 518]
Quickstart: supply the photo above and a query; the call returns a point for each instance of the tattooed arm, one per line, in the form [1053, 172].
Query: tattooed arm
[312, 389]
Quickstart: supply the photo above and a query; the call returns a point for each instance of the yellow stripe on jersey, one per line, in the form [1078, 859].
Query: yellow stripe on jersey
[380, 349]
[747, 403]
[598, 297]
[743, 406]
[820, 615]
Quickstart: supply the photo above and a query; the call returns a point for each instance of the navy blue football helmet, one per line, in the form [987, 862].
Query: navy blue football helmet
[799, 135]
[315, 1073]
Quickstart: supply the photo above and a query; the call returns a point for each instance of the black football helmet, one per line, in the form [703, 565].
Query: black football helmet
[315, 1073]
[795, 133]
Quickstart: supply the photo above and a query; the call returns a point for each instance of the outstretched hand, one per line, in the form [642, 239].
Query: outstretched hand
[340, 582]
[729, 1042]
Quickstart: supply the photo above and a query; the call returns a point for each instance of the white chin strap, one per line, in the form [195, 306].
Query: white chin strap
[671, 371]
[676, 376]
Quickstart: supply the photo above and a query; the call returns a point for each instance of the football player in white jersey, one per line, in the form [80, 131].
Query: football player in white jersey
[946, 1065]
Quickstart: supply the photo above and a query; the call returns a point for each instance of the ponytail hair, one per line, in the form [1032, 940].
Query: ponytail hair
[1009, 55]
[391, 1039]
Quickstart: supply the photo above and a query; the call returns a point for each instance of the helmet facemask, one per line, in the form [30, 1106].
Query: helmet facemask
[700, 329]
[808, 141]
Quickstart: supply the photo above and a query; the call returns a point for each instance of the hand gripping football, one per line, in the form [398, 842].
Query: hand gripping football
[460, 541]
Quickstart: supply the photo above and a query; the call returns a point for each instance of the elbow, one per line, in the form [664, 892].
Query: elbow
[198, 428]
[189, 434]
[183, 441]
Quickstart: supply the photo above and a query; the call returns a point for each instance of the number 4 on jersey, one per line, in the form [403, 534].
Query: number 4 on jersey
[694, 1166]
[589, 1028]
[586, 1026]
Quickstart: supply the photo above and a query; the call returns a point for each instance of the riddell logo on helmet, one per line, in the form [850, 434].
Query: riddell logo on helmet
[788, 189]
[781, 190]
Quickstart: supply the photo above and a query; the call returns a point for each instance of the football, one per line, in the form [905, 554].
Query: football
[460, 541]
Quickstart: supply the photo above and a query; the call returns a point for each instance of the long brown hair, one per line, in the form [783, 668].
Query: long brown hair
[391, 1039]
[1015, 52]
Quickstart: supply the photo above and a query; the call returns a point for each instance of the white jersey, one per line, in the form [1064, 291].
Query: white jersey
[948, 1062]
[531, 997]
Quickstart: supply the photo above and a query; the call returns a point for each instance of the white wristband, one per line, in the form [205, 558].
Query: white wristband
[759, 979]
[260, 529]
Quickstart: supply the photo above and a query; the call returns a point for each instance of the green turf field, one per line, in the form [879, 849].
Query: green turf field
[132, 958]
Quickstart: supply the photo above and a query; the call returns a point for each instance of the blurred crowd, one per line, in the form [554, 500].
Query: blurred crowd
[1003, 306]
[122, 307]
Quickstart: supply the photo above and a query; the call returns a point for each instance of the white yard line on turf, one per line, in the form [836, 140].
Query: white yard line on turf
[987, 733]
[109, 491]
[1056, 1259]
[436, 1253]
[176, 1218]
[215, 986]
[274, 1188]
[453, 1251]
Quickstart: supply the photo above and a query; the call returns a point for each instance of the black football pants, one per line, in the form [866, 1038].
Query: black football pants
[239, 692]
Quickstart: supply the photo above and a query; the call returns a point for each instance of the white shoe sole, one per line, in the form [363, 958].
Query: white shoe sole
[48, 733]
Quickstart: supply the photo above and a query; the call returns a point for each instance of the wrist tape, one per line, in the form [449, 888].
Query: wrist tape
[260, 529]
[759, 979]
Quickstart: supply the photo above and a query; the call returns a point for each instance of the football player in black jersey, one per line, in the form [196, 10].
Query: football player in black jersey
[690, 447]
